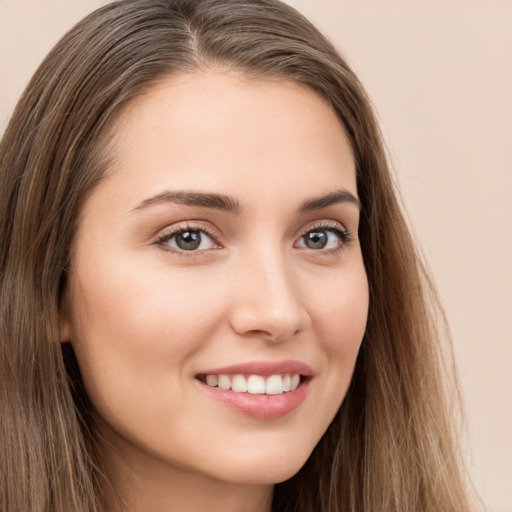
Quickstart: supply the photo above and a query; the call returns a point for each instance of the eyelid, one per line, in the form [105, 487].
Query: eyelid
[197, 225]
[193, 225]
[322, 224]
[338, 227]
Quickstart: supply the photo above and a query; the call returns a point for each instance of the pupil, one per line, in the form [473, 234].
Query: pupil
[188, 240]
[316, 239]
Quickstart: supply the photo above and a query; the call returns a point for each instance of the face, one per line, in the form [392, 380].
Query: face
[217, 297]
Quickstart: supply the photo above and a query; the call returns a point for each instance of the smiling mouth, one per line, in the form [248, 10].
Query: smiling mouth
[276, 384]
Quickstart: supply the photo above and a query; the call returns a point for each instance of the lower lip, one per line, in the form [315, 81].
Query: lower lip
[264, 407]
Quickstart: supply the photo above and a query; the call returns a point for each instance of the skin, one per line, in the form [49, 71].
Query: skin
[145, 317]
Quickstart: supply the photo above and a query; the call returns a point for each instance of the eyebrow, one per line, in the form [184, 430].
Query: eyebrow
[232, 205]
[205, 200]
[323, 201]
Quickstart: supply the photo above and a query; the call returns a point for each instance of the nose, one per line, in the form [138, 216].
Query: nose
[267, 302]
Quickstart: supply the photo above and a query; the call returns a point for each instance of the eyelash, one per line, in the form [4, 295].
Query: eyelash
[342, 234]
[166, 236]
[162, 240]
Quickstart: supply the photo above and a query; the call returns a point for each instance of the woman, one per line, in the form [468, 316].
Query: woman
[210, 298]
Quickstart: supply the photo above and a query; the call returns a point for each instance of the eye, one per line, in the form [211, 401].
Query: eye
[324, 238]
[186, 239]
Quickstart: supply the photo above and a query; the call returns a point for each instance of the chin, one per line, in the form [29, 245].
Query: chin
[267, 468]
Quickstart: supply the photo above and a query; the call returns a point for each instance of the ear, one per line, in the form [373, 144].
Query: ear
[65, 316]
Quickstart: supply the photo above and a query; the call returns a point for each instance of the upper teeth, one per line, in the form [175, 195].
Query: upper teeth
[255, 384]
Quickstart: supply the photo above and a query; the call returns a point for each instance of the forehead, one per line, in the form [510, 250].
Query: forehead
[229, 133]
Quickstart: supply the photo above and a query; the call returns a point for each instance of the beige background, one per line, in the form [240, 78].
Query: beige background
[440, 74]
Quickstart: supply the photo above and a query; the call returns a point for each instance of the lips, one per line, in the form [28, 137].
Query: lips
[263, 390]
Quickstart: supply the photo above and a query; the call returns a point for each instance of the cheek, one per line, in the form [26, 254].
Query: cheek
[131, 328]
[124, 304]
[340, 313]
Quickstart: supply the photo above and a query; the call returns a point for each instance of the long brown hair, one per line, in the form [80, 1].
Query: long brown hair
[391, 446]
